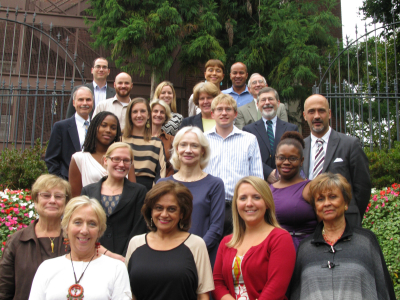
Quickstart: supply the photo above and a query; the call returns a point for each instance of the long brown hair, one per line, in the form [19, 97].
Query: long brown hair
[128, 120]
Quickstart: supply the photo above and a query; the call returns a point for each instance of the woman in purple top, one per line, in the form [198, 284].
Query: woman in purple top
[291, 192]
[191, 153]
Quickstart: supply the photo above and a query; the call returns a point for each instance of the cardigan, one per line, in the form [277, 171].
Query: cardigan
[266, 268]
[354, 268]
[126, 220]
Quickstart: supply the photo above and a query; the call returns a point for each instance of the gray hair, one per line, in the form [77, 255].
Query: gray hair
[82, 87]
[256, 74]
[267, 90]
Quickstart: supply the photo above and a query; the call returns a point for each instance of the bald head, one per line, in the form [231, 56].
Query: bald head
[317, 114]
[238, 76]
[123, 86]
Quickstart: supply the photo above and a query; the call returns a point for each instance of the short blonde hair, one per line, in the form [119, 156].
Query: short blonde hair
[168, 115]
[176, 163]
[158, 90]
[117, 145]
[204, 87]
[239, 226]
[81, 201]
[47, 182]
[226, 99]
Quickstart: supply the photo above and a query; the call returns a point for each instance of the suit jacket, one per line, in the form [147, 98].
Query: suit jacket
[126, 221]
[268, 154]
[194, 121]
[353, 166]
[110, 93]
[64, 141]
[248, 114]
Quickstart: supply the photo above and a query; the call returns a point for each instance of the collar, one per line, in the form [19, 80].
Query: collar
[325, 137]
[80, 120]
[233, 132]
[29, 232]
[255, 103]
[231, 90]
[274, 119]
[318, 239]
[116, 99]
[95, 85]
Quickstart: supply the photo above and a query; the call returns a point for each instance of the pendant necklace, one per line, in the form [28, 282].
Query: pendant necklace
[52, 244]
[75, 291]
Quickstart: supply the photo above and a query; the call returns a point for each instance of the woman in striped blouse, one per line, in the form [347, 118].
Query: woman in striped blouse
[149, 155]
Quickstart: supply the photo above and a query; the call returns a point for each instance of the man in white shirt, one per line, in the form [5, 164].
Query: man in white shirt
[117, 105]
[234, 153]
[67, 136]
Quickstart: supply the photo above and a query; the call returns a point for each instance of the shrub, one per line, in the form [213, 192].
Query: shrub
[383, 218]
[19, 169]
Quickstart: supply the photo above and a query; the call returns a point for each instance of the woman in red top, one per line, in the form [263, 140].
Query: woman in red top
[257, 260]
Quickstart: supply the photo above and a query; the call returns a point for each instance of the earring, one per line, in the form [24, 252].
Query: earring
[346, 208]
[151, 222]
[147, 124]
[66, 243]
[97, 246]
[220, 83]
[180, 224]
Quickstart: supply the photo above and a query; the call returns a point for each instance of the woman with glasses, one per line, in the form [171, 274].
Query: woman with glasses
[121, 199]
[291, 192]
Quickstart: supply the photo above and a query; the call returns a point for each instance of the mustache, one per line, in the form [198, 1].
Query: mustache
[268, 106]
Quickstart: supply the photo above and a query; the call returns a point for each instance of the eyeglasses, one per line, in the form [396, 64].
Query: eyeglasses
[47, 196]
[291, 159]
[117, 160]
[258, 81]
[227, 109]
[270, 99]
[101, 67]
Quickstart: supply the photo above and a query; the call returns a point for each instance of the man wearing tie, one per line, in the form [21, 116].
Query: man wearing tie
[68, 135]
[329, 151]
[269, 130]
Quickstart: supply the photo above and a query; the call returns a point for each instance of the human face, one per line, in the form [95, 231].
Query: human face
[121, 169]
[189, 149]
[139, 115]
[330, 205]
[83, 232]
[83, 103]
[286, 168]
[317, 114]
[224, 115]
[205, 103]
[166, 94]
[256, 84]
[51, 208]
[250, 205]
[100, 70]
[123, 85]
[238, 75]
[158, 115]
[268, 105]
[107, 130]
[166, 214]
[214, 75]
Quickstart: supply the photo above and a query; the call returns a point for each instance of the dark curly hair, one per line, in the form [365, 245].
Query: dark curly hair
[292, 138]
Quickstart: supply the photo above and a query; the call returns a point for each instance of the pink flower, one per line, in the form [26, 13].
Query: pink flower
[15, 218]
[383, 204]
[23, 225]
[375, 198]
[384, 197]
[391, 238]
[2, 205]
[376, 207]
[16, 210]
[2, 249]
[10, 228]
[26, 214]
[7, 223]
[23, 207]
[2, 211]
[32, 221]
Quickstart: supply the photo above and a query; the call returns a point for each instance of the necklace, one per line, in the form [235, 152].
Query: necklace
[186, 180]
[52, 244]
[329, 241]
[75, 291]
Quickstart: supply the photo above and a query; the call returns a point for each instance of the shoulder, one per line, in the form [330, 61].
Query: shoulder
[214, 181]
[92, 187]
[177, 116]
[289, 125]
[252, 126]
[279, 234]
[165, 179]
[111, 264]
[136, 242]
[366, 233]
[133, 185]
[227, 91]
[195, 243]
[346, 138]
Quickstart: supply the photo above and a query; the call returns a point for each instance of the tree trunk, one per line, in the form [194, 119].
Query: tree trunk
[153, 83]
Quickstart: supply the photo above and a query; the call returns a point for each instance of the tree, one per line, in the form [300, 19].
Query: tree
[380, 8]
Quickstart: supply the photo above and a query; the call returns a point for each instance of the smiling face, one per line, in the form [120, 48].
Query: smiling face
[224, 115]
[256, 84]
[287, 168]
[238, 75]
[166, 214]
[139, 115]
[123, 84]
[83, 232]
[121, 169]
[330, 205]
[205, 103]
[100, 70]
[53, 207]
[158, 115]
[166, 94]
[317, 114]
[107, 130]
[214, 75]
[250, 205]
[189, 149]
[83, 103]
[268, 105]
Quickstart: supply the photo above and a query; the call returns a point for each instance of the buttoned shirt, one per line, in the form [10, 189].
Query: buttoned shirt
[234, 157]
[81, 128]
[100, 94]
[273, 124]
[313, 150]
[115, 106]
[242, 99]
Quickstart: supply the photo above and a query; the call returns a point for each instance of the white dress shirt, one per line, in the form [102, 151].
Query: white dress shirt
[313, 150]
[116, 107]
[81, 128]
[100, 94]
[273, 124]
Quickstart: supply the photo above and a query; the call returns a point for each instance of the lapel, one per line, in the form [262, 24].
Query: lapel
[253, 111]
[306, 155]
[259, 125]
[73, 133]
[110, 92]
[197, 121]
[126, 197]
[279, 131]
[331, 148]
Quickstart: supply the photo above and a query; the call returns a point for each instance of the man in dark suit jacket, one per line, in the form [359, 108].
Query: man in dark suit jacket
[268, 102]
[343, 155]
[98, 87]
[65, 137]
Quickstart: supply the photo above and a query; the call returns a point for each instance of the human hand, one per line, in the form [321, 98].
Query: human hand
[272, 178]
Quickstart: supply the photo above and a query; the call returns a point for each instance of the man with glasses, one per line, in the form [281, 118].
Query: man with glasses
[99, 86]
[249, 112]
[234, 153]
[269, 130]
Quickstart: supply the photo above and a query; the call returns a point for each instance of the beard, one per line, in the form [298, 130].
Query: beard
[268, 115]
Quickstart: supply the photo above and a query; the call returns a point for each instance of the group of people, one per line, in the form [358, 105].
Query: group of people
[229, 203]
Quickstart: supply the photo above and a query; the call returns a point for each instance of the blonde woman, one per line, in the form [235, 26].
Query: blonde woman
[165, 91]
[257, 261]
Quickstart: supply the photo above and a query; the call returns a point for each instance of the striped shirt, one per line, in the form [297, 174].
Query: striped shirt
[232, 158]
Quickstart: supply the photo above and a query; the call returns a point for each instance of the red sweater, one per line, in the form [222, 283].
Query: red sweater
[267, 268]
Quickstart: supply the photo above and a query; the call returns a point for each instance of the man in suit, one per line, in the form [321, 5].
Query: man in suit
[99, 87]
[68, 135]
[269, 130]
[329, 151]
[249, 112]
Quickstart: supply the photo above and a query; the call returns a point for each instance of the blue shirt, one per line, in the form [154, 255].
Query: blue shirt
[242, 99]
[232, 158]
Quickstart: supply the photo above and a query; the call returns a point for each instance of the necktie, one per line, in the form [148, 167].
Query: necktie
[86, 124]
[319, 158]
[270, 133]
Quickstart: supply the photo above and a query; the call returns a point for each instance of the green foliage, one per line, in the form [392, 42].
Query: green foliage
[379, 8]
[19, 169]
[383, 218]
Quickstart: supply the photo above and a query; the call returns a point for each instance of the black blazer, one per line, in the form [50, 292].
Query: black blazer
[267, 154]
[64, 141]
[194, 121]
[126, 221]
[344, 155]
[110, 93]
